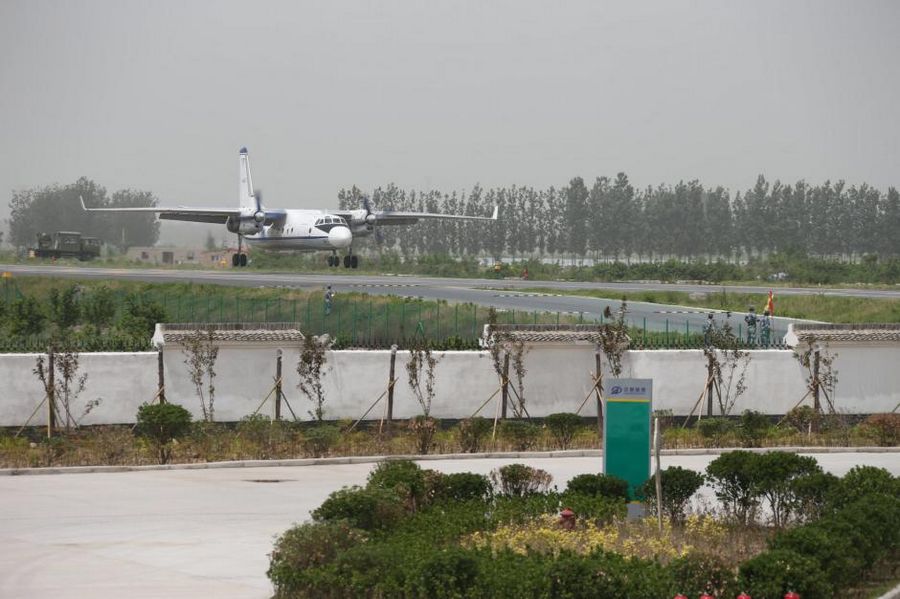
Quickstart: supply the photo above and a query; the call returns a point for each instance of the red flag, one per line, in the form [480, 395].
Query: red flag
[770, 305]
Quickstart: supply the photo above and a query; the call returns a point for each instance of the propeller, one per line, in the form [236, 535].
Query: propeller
[370, 214]
[260, 214]
[371, 219]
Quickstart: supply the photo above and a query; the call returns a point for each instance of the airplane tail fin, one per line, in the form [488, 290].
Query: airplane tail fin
[245, 191]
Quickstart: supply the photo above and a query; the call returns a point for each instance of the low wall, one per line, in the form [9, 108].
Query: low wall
[557, 380]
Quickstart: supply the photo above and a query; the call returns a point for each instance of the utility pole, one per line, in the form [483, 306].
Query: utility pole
[278, 385]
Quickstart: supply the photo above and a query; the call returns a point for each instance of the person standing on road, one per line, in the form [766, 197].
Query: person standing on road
[329, 299]
[708, 327]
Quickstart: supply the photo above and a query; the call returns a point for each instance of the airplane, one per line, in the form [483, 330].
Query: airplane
[289, 228]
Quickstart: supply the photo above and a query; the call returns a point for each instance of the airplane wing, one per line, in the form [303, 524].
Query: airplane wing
[196, 215]
[392, 217]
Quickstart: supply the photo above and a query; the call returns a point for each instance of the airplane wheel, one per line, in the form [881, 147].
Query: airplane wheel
[235, 259]
[346, 261]
[354, 261]
[243, 259]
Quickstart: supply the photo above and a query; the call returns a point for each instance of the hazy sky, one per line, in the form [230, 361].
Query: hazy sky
[430, 94]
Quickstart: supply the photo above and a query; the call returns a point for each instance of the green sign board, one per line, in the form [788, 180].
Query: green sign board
[627, 408]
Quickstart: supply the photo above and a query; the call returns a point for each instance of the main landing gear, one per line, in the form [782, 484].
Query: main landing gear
[350, 261]
[239, 259]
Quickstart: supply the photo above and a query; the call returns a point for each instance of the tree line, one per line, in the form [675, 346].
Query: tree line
[612, 219]
[57, 208]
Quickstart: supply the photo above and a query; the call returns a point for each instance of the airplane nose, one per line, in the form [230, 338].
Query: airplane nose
[340, 237]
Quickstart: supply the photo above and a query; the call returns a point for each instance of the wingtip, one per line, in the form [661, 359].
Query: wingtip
[496, 212]
[83, 207]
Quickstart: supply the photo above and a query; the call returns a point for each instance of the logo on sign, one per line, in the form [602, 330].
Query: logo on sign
[615, 390]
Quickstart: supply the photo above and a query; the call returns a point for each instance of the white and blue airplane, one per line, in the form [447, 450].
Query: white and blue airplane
[290, 228]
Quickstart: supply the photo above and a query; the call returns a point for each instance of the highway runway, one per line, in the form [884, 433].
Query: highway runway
[502, 294]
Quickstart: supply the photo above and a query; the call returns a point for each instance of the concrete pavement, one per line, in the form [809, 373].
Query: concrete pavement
[203, 533]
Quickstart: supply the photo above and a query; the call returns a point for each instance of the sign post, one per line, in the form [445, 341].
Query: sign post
[626, 431]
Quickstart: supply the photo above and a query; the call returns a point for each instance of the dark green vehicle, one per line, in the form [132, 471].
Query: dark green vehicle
[66, 244]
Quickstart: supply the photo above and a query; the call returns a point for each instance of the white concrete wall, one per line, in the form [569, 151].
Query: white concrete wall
[558, 379]
[122, 382]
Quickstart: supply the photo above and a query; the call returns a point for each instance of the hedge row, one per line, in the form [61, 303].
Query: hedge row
[399, 536]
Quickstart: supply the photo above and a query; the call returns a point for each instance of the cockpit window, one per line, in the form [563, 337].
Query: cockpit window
[330, 220]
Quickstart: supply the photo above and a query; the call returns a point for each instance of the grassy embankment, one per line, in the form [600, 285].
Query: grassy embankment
[825, 308]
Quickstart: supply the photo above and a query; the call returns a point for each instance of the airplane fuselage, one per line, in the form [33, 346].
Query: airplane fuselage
[310, 230]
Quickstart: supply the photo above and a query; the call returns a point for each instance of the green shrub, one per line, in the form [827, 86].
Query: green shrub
[404, 477]
[520, 433]
[678, 486]
[771, 574]
[449, 573]
[472, 432]
[308, 546]
[753, 428]
[319, 439]
[562, 427]
[518, 480]
[162, 423]
[861, 481]
[839, 559]
[715, 429]
[732, 477]
[603, 485]
[774, 474]
[801, 418]
[463, 486]
[368, 509]
[814, 492]
[695, 574]
[597, 509]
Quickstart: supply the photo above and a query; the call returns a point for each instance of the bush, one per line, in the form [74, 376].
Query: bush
[801, 418]
[423, 429]
[308, 546]
[715, 429]
[885, 428]
[320, 438]
[599, 485]
[463, 486]
[448, 573]
[771, 574]
[732, 478]
[753, 428]
[519, 480]
[368, 509]
[162, 423]
[562, 427]
[836, 555]
[404, 477]
[520, 433]
[814, 492]
[861, 481]
[695, 574]
[774, 474]
[472, 432]
[678, 486]
[597, 509]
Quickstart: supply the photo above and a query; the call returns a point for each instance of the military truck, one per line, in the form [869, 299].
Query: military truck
[66, 244]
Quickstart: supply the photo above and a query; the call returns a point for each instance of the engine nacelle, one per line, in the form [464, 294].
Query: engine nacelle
[243, 226]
